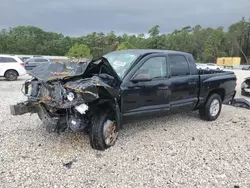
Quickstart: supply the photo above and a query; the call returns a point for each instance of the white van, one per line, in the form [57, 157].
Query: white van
[11, 67]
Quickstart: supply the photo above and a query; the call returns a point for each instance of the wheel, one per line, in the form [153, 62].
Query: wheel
[211, 109]
[104, 130]
[11, 75]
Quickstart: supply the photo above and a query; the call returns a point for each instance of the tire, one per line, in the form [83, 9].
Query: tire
[11, 75]
[206, 112]
[100, 122]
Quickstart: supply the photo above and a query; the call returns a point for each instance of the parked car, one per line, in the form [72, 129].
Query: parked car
[246, 67]
[213, 66]
[11, 67]
[201, 66]
[121, 87]
[24, 58]
[245, 87]
[35, 61]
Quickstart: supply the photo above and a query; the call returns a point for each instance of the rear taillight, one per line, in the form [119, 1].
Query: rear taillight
[22, 64]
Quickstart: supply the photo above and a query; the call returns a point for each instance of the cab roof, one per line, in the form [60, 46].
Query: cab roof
[146, 51]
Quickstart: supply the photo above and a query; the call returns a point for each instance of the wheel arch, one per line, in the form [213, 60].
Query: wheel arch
[220, 91]
[108, 104]
[11, 70]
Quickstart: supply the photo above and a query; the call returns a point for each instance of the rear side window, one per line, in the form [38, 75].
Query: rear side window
[41, 60]
[7, 60]
[2, 60]
[178, 65]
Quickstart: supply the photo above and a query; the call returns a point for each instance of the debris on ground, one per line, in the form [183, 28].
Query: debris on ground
[68, 165]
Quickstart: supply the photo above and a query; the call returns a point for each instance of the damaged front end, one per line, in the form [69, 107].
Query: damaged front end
[245, 87]
[68, 95]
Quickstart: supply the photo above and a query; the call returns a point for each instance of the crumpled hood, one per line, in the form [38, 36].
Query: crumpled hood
[54, 71]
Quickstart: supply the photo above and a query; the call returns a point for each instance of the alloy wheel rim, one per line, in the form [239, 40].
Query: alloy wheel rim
[12, 75]
[214, 107]
[110, 132]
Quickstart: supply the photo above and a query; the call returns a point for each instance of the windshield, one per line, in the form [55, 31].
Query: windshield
[121, 61]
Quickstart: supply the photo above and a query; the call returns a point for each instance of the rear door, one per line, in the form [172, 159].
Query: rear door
[184, 84]
[7, 63]
[146, 98]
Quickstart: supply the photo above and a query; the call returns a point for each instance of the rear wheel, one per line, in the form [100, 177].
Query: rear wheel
[11, 75]
[211, 109]
[104, 131]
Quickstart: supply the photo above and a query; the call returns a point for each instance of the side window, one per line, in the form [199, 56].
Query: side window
[2, 60]
[37, 60]
[155, 67]
[44, 60]
[41, 60]
[179, 65]
[9, 60]
[30, 60]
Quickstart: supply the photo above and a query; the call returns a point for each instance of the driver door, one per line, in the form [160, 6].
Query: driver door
[150, 95]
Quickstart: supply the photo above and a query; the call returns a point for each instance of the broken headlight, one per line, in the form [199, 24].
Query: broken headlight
[27, 88]
[82, 108]
[71, 96]
[244, 85]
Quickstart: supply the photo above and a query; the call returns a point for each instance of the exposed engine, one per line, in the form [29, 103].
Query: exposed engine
[68, 99]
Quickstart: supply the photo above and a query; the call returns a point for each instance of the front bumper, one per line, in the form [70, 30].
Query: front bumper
[23, 108]
[241, 102]
[52, 124]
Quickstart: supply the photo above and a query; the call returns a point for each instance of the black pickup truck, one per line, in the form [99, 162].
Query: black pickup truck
[99, 96]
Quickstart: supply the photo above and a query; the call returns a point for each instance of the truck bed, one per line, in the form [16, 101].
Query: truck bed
[210, 80]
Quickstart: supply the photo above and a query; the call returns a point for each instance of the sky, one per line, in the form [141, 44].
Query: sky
[80, 17]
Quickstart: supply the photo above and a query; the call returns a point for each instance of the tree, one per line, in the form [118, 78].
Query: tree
[125, 46]
[154, 31]
[206, 44]
[239, 34]
[214, 45]
[79, 50]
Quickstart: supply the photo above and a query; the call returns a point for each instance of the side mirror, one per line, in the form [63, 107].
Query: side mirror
[141, 78]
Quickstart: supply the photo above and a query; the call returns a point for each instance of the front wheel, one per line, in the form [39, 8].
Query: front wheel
[104, 131]
[211, 109]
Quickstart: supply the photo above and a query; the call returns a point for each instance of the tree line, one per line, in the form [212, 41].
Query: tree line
[206, 44]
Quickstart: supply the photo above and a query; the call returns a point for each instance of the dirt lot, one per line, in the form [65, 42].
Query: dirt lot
[175, 151]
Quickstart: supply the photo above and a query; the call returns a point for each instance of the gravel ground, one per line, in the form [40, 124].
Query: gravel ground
[175, 151]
